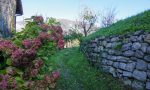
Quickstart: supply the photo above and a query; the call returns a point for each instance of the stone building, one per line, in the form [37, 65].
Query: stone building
[9, 9]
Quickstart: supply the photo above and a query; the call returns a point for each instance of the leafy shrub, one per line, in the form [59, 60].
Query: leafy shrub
[25, 56]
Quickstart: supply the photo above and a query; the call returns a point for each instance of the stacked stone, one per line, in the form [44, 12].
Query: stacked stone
[7, 17]
[124, 56]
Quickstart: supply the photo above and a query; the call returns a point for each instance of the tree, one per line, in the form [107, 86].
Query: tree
[87, 20]
[108, 17]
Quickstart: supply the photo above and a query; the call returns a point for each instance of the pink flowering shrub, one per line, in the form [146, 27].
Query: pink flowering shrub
[38, 19]
[7, 82]
[26, 60]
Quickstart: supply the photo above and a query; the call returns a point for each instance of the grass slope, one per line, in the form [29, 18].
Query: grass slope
[77, 74]
[138, 22]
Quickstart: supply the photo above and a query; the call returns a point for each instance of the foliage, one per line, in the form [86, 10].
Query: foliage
[25, 56]
[73, 34]
[52, 21]
[131, 24]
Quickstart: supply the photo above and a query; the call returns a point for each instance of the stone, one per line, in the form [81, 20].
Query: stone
[96, 50]
[133, 58]
[110, 63]
[115, 39]
[136, 46]
[148, 50]
[148, 85]
[141, 65]
[139, 32]
[118, 53]
[8, 10]
[133, 38]
[147, 38]
[147, 58]
[93, 45]
[139, 54]
[112, 71]
[105, 69]
[104, 43]
[148, 74]
[139, 75]
[144, 47]
[140, 38]
[127, 82]
[122, 59]
[108, 45]
[104, 54]
[116, 64]
[111, 51]
[149, 66]
[130, 66]
[101, 48]
[122, 66]
[126, 46]
[137, 85]
[119, 70]
[127, 74]
[128, 53]
[114, 58]
[104, 61]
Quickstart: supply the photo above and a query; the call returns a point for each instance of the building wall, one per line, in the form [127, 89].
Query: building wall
[124, 56]
[7, 17]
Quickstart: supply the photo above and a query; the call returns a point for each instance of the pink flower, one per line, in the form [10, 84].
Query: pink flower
[38, 19]
[44, 36]
[47, 78]
[3, 82]
[30, 53]
[38, 63]
[27, 43]
[55, 74]
[17, 54]
[60, 44]
[36, 43]
[44, 27]
[34, 72]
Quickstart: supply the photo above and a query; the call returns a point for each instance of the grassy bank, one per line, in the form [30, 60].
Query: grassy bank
[138, 22]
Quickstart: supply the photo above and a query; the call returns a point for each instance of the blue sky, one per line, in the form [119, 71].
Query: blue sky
[69, 9]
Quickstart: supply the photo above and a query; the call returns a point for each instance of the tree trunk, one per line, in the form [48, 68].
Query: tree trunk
[85, 32]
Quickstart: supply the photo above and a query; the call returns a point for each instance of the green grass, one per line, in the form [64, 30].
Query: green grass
[77, 74]
[138, 22]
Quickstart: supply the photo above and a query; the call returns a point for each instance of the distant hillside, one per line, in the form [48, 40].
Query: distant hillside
[138, 22]
[66, 24]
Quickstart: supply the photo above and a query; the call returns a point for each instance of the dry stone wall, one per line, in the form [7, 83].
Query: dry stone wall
[124, 56]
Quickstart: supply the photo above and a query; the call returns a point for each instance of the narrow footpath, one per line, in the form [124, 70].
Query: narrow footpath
[77, 74]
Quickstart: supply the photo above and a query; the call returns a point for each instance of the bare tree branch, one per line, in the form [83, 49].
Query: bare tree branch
[108, 17]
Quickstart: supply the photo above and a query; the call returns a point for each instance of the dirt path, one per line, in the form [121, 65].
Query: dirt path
[77, 74]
